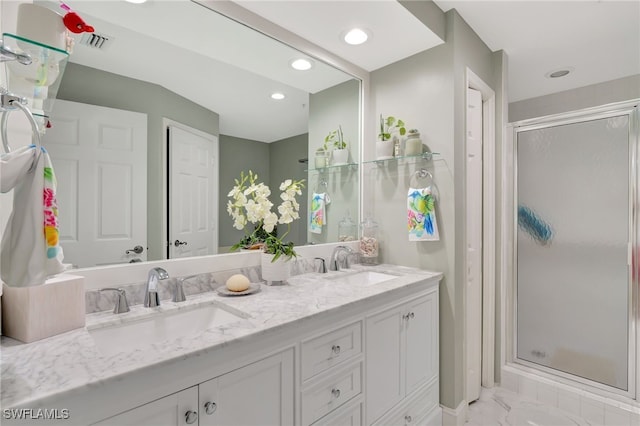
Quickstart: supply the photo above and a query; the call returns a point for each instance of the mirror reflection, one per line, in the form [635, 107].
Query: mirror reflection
[161, 109]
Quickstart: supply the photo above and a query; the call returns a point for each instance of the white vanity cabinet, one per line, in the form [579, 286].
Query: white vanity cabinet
[176, 409]
[260, 393]
[373, 362]
[401, 358]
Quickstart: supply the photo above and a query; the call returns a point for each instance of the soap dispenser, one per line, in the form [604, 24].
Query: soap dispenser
[369, 242]
[346, 229]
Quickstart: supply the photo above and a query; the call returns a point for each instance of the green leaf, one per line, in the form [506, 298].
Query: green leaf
[402, 131]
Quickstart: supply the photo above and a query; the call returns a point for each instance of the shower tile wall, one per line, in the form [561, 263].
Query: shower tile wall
[594, 409]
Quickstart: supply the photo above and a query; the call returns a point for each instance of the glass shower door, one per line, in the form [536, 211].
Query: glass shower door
[573, 249]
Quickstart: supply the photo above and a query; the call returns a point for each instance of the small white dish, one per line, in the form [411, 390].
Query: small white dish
[253, 288]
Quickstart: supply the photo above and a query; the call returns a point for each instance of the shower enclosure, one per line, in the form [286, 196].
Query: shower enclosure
[576, 247]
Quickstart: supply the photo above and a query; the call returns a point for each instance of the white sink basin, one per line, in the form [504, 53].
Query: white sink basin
[362, 278]
[161, 326]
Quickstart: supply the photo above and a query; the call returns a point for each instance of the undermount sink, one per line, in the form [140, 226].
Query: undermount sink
[362, 278]
[161, 326]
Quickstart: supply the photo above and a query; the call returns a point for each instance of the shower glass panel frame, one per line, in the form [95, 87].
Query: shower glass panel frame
[540, 233]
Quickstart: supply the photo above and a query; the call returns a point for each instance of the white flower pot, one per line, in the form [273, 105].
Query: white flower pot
[340, 156]
[275, 272]
[384, 150]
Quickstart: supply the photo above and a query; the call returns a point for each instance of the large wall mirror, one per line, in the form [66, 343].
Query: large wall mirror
[161, 109]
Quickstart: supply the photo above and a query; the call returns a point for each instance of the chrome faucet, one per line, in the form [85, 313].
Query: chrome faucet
[178, 290]
[151, 298]
[121, 300]
[334, 263]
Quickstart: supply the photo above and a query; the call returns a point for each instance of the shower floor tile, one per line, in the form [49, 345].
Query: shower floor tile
[501, 407]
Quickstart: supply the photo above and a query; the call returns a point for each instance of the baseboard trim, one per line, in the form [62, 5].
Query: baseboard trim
[457, 417]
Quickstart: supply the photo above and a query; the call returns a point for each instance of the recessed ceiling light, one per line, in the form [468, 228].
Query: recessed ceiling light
[356, 36]
[561, 72]
[277, 96]
[136, 1]
[301, 64]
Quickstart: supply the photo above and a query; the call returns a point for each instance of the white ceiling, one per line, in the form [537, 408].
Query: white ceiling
[395, 32]
[207, 58]
[231, 69]
[599, 39]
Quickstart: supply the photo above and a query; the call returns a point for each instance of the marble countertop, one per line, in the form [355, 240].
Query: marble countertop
[70, 362]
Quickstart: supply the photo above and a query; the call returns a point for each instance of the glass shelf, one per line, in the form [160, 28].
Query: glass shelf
[427, 156]
[38, 81]
[333, 167]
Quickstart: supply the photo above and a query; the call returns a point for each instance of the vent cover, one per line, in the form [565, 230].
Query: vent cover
[95, 40]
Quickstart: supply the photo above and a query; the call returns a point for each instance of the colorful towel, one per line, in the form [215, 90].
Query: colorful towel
[30, 251]
[318, 215]
[421, 212]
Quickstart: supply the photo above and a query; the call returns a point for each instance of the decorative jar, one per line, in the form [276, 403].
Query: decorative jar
[369, 245]
[413, 144]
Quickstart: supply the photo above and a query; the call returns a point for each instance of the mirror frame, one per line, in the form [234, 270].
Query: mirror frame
[115, 275]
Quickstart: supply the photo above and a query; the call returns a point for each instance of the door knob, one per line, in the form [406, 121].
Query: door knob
[179, 243]
[210, 407]
[136, 250]
[190, 417]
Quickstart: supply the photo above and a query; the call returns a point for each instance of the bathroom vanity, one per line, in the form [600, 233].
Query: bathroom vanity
[354, 347]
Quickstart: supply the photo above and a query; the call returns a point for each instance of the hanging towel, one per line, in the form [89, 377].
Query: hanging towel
[421, 213]
[30, 251]
[318, 215]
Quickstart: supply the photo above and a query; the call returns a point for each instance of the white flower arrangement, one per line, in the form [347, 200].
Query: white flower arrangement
[250, 204]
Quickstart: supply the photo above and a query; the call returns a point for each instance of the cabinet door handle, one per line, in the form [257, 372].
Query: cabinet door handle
[335, 349]
[411, 315]
[335, 393]
[408, 418]
[210, 407]
[190, 417]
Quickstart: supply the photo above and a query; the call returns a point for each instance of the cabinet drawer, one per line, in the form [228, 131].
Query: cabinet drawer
[323, 352]
[349, 414]
[331, 393]
[415, 410]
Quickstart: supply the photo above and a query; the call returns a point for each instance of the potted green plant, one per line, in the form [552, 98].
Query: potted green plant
[249, 203]
[387, 137]
[335, 139]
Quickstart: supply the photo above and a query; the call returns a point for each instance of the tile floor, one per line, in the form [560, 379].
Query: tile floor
[501, 407]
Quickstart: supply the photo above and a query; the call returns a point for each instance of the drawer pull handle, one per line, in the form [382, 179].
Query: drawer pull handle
[191, 417]
[210, 407]
[411, 315]
[335, 393]
[408, 419]
[335, 349]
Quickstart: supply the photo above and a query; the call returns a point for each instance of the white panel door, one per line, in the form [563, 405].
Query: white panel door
[474, 244]
[421, 341]
[100, 159]
[260, 394]
[193, 192]
[168, 411]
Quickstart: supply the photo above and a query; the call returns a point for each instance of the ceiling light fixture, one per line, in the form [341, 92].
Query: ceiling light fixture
[355, 36]
[301, 64]
[277, 96]
[136, 1]
[561, 72]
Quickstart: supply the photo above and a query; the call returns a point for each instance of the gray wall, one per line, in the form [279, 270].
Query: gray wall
[238, 155]
[618, 90]
[338, 105]
[79, 85]
[283, 164]
[427, 91]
